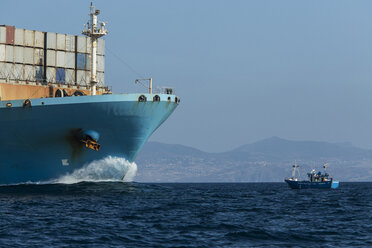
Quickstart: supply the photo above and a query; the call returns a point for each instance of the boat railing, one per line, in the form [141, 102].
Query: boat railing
[291, 179]
[165, 90]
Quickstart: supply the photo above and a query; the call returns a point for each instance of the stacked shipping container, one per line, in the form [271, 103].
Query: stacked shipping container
[33, 56]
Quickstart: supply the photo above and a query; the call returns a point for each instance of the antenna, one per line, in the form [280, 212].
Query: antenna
[91, 30]
[325, 165]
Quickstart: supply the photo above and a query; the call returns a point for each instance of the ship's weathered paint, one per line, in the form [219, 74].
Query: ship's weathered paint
[37, 142]
[24, 91]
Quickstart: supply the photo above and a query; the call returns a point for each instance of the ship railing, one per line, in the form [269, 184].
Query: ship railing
[291, 179]
[165, 90]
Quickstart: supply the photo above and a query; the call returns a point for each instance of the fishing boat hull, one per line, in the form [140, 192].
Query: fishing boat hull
[312, 185]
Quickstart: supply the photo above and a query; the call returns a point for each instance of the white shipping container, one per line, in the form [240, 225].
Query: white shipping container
[2, 35]
[18, 54]
[101, 47]
[19, 37]
[70, 43]
[10, 70]
[100, 79]
[18, 71]
[2, 53]
[3, 72]
[51, 40]
[29, 73]
[29, 38]
[61, 42]
[39, 39]
[81, 44]
[70, 60]
[6, 70]
[38, 56]
[28, 55]
[51, 57]
[9, 53]
[88, 63]
[60, 59]
[82, 77]
[51, 74]
[70, 76]
[100, 63]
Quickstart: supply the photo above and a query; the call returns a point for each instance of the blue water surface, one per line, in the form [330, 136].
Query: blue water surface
[115, 214]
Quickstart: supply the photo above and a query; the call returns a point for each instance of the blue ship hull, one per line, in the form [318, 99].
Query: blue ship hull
[41, 142]
[312, 185]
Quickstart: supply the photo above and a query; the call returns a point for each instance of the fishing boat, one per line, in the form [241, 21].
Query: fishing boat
[316, 180]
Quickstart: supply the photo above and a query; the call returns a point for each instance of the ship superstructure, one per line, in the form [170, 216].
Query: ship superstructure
[56, 114]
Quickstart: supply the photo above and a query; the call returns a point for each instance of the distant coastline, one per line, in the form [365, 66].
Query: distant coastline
[268, 160]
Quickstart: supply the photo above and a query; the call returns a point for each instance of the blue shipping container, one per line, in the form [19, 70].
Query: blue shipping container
[81, 60]
[88, 63]
[60, 75]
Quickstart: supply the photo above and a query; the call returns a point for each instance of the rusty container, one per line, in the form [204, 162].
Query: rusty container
[10, 35]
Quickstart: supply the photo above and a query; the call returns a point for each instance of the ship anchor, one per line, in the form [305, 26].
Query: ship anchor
[91, 144]
[90, 138]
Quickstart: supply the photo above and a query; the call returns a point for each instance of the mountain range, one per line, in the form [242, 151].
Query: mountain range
[268, 160]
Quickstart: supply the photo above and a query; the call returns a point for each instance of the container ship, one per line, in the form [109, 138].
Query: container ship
[56, 114]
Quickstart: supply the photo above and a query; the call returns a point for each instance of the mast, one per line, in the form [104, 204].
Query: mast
[91, 30]
[325, 169]
[294, 169]
[325, 165]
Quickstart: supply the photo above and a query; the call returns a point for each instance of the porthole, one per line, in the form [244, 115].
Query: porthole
[156, 98]
[142, 98]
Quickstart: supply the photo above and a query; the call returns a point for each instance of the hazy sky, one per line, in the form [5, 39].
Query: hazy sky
[244, 70]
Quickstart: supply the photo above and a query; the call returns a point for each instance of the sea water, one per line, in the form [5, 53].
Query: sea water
[130, 214]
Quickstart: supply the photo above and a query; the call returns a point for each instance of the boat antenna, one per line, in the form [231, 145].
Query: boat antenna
[94, 32]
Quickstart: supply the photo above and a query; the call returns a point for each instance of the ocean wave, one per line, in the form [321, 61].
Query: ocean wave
[107, 169]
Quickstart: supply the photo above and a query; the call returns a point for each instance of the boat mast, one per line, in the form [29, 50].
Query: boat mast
[325, 169]
[295, 168]
[92, 31]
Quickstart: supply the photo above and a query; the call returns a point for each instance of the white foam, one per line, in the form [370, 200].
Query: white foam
[106, 169]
